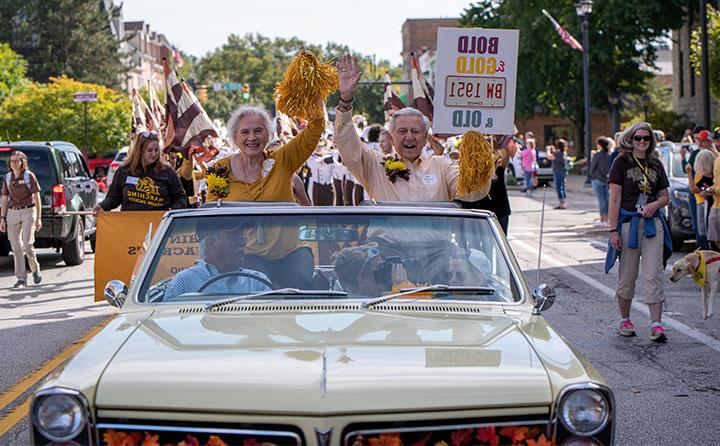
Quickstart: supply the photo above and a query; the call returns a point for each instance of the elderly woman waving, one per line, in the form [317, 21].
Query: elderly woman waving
[257, 174]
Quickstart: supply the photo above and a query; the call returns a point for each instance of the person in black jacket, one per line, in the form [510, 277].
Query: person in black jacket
[144, 182]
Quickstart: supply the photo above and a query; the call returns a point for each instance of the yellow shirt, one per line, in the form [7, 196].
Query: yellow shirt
[432, 178]
[268, 240]
[275, 182]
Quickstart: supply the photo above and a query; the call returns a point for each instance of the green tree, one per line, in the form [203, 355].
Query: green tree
[47, 112]
[12, 72]
[622, 36]
[713, 31]
[261, 62]
[64, 37]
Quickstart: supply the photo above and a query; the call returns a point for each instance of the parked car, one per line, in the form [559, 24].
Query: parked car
[116, 163]
[458, 349]
[65, 185]
[679, 217]
[100, 165]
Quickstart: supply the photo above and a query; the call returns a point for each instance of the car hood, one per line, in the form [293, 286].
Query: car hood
[324, 363]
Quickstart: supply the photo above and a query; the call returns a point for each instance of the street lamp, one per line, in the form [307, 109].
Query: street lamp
[584, 9]
[645, 101]
[614, 100]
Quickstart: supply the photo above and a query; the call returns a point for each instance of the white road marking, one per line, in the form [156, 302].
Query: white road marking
[641, 308]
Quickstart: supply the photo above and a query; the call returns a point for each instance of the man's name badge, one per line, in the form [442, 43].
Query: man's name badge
[131, 180]
[429, 179]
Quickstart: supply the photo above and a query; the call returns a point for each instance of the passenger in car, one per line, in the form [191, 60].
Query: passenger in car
[429, 178]
[221, 249]
[361, 270]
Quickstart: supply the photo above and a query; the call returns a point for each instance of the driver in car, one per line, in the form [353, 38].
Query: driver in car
[221, 251]
[363, 271]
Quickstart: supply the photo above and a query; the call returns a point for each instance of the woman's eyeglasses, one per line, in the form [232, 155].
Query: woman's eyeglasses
[642, 138]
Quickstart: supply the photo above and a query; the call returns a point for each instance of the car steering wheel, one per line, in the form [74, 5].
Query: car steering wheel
[235, 273]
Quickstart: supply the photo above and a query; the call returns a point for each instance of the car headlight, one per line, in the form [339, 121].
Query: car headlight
[59, 416]
[584, 412]
[681, 195]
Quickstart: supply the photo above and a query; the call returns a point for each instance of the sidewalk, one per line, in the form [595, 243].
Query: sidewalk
[574, 183]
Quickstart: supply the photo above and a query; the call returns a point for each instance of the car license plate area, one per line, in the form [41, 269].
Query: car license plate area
[475, 91]
[499, 433]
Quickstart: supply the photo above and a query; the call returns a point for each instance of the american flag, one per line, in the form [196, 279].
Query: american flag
[566, 36]
[422, 91]
[391, 101]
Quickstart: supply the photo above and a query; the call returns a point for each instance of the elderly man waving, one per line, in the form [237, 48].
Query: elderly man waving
[431, 178]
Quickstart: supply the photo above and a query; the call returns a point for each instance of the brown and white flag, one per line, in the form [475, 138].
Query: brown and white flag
[422, 92]
[392, 101]
[156, 109]
[139, 118]
[188, 128]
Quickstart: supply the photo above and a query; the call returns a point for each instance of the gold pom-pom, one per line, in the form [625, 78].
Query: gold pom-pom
[306, 79]
[476, 163]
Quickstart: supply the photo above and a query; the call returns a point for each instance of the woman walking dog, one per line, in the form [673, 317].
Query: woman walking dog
[20, 216]
[639, 233]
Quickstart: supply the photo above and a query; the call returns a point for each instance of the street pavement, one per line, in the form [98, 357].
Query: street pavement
[666, 394]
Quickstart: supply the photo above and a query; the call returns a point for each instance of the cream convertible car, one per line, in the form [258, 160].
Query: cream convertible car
[366, 326]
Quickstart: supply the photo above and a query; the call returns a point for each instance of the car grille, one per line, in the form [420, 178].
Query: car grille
[141, 433]
[521, 431]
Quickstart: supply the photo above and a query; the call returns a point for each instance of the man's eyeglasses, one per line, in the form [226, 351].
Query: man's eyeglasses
[152, 134]
[642, 138]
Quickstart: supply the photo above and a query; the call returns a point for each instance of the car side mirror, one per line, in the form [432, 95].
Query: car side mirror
[115, 293]
[543, 298]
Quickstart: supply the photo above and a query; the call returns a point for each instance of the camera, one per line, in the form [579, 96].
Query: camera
[383, 274]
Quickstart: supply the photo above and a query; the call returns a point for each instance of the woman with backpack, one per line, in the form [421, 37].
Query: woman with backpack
[20, 216]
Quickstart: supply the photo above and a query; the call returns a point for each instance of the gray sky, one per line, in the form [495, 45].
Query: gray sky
[367, 26]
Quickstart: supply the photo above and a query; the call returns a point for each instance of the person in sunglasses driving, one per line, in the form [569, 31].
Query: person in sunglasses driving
[363, 271]
[144, 182]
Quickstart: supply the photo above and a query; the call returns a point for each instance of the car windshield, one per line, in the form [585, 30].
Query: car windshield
[205, 258]
[38, 163]
[677, 168]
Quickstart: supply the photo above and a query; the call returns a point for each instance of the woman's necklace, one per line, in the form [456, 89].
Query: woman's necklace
[245, 181]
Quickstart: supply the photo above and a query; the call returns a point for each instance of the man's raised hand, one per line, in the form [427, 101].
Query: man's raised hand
[349, 76]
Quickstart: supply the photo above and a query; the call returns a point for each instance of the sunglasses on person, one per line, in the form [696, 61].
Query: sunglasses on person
[642, 138]
[152, 134]
[370, 254]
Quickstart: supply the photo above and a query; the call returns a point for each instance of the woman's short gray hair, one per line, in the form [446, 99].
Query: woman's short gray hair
[247, 110]
[626, 142]
[409, 111]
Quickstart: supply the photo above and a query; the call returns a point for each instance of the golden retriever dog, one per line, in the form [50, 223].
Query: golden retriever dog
[688, 266]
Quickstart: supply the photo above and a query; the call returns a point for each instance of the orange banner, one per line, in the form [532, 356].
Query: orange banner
[120, 237]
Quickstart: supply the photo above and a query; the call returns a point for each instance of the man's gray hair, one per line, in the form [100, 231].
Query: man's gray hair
[242, 112]
[409, 111]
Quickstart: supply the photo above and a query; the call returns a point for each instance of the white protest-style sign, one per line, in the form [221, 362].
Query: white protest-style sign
[475, 80]
[85, 96]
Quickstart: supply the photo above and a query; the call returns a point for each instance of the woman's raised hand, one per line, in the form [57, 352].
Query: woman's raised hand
[349, 76]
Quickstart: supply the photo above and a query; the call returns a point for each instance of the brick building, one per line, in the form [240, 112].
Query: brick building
[686, 85]
[419, 36]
